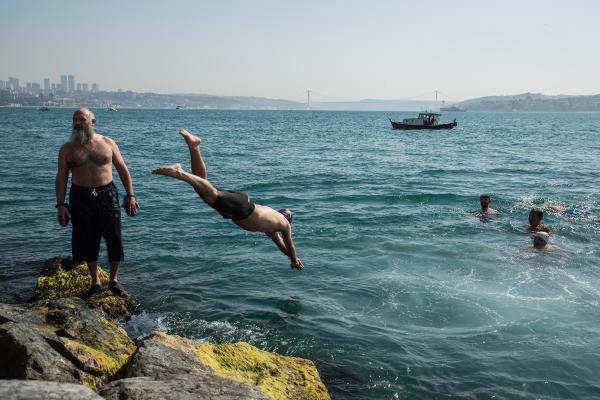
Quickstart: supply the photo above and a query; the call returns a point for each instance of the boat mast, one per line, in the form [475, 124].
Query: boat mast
[308, 99]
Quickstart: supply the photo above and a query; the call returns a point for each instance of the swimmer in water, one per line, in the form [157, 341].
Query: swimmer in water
[486, 211]
[541, 240]
[535, 222]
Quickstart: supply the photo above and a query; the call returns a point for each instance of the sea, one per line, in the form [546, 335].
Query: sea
[406, 293]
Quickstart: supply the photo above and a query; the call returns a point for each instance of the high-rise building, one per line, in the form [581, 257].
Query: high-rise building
[85, 87]
[2, 85]
[13, 83]
[95, 87]
[79, 87]
[35, 87]
[63, 83]
[71, 80]
[46, 85]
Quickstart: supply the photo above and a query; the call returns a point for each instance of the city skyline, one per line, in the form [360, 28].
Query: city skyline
[339, 50]
[67, 84]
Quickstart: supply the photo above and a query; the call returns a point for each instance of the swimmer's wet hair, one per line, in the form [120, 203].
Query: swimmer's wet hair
[539, 213]
[485, 196]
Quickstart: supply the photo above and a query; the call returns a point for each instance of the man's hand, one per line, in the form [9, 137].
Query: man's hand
[63, 215]
[131, 205]
[297, 264]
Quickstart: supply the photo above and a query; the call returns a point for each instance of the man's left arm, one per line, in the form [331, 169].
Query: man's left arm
[131, 204]
[276, 238]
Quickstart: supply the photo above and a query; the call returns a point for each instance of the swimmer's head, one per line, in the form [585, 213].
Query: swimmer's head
[535, 217]
[540, 240]
[287, 213]
[485, 200]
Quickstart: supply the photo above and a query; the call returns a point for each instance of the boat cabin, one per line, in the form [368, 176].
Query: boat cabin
[424, 118]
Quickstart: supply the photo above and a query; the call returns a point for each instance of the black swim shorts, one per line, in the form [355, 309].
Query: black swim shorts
[95, 214]
[233, 205]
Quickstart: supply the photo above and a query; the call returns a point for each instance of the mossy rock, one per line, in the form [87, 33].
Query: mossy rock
[277, 376]
[62, 277]
[63, 340]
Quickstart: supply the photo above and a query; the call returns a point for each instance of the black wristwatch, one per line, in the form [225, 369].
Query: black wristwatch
[62, 205]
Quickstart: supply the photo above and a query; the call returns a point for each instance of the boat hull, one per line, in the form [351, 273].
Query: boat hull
[399, 125]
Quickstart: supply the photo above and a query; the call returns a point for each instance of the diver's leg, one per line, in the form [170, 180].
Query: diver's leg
[193, 142]
[204, 188]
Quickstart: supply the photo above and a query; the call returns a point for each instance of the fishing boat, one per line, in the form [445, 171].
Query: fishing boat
[425, 120]
[43, 108]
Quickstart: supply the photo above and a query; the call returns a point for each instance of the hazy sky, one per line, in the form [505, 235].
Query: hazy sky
[339, 49]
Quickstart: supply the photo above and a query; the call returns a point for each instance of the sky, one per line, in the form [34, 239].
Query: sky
[341, 50]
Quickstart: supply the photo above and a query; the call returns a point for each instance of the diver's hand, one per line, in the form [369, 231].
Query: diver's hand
[297, 264]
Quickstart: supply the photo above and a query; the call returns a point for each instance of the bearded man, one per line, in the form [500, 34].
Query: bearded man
[93, 198]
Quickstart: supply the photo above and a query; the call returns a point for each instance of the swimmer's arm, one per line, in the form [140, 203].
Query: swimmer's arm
[555, 207]
[276, 237]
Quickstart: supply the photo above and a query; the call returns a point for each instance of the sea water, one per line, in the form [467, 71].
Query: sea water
[405, 295]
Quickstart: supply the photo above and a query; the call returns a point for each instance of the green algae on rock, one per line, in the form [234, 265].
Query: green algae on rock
[279, 377]
[62, 277]
[162, 356]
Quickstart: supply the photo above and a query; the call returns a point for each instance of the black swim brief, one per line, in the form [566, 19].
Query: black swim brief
[95, 213]
[233, 205]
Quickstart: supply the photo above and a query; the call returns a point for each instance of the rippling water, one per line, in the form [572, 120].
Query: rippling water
[405, 293]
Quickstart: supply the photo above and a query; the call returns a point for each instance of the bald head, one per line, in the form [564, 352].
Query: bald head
[84, 113]
[84, 121]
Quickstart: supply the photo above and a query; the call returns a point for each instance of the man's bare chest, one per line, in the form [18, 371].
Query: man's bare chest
[93, 156]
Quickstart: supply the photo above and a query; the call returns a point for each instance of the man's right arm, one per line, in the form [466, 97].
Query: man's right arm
[291, 248]
[60, 185]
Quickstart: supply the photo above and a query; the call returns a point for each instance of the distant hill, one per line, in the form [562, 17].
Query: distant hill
[195, 101]
[532, 102]
[130, 99]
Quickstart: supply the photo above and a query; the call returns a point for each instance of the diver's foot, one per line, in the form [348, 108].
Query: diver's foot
[93, 290]
[116, 287]
[173, 170]
[191, 140]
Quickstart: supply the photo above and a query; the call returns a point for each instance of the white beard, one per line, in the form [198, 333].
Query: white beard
[82, 136]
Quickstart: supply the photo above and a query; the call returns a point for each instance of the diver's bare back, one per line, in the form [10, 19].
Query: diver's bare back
[91, 163]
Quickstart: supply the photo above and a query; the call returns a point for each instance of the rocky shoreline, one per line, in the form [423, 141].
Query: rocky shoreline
[60, 346]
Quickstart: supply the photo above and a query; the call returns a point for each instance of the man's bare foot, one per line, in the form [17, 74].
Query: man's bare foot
[191, 140]
[172, 170]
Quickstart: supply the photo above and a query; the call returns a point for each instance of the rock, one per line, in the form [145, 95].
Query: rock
[160, 356]
[180, 387]
[42, 390]
[279, 377]
[71, 341]
[25, 354]
[61, 277]
[61, 340]
[165, 357]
